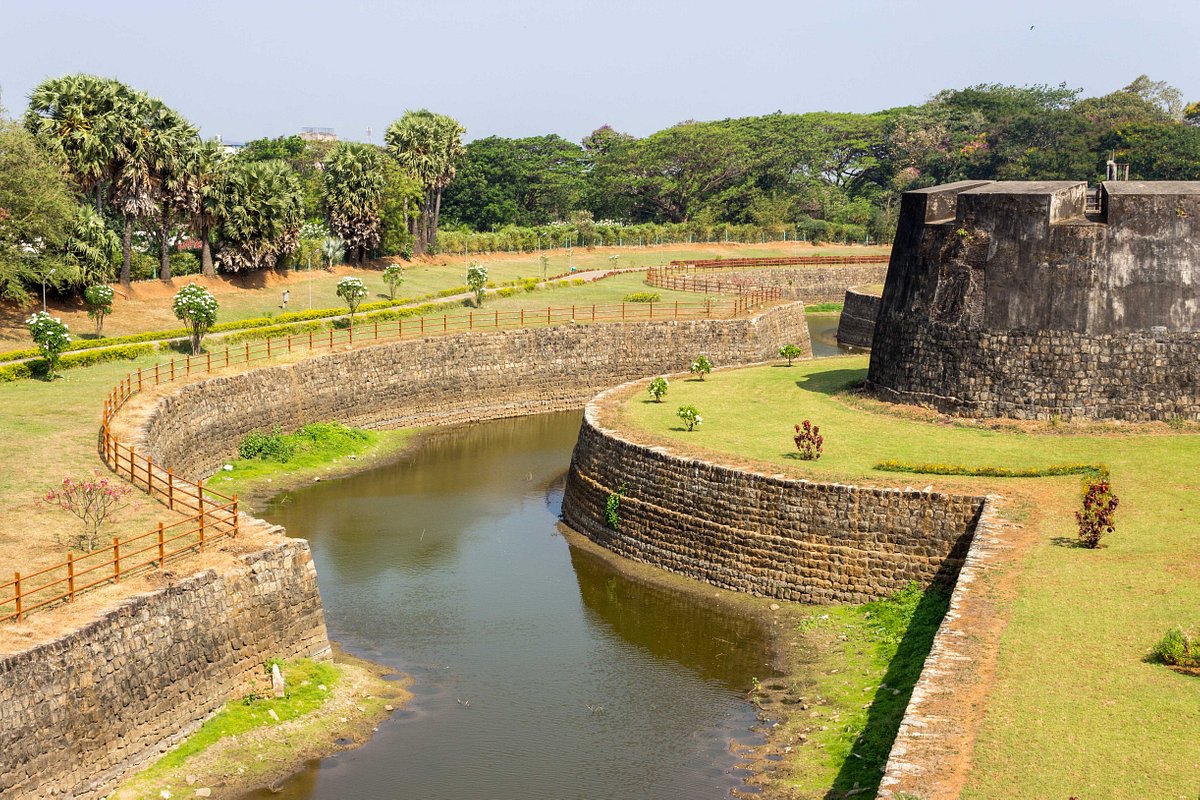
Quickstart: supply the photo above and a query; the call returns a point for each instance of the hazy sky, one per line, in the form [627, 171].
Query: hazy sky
[255, 68]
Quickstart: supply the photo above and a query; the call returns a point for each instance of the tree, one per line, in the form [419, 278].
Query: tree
[790, 352]
[92, 501]
[333, 249]
[36, 211]
[700, 366]
[209, 173]
[93, 246]
[353, 292]
[393, 276]
[658, 388]
[477, 276]
[197, 309]
[98, 299]
[259, 210]
[429, 146]
[176, 174]
[51, 336]
[354, 189]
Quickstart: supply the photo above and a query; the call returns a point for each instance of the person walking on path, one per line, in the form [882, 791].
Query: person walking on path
[286, 295]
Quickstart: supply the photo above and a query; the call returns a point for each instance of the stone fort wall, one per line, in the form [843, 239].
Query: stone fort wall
[1013, 299]
[856, 326]
[764, 534]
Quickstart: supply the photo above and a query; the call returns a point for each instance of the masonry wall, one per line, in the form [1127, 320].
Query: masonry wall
[812, 284]
[447, 379]
[856, 326]
[78, 713]
[767, 535]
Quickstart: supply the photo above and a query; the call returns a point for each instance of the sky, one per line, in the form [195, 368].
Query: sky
[255, 68]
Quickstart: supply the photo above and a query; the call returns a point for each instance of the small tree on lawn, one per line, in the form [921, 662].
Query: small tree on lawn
[790, 351]
[197, 309]
[809, 441]
[92, 500]
[1095, 519]
[333, 249]
[658, 388]
[477, 277]
[352, 291]
[690, 416]
[51, 336]
[98, 299]
[701, 366]
[393, 276]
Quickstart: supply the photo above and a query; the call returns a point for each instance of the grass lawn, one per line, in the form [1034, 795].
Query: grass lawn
[1076, 709]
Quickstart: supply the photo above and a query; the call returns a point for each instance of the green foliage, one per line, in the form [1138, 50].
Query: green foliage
[790, 352]
[658, 388]
[1178, 648]
[428, 147]
[184, 264]
[51, 336]
[643, 297]
[393, 276]
[273, 446]
[893, 465]
[824, 308]
[197, 308]
[355, 183]
[259, 209]
[98, 299]
[612, 509]
[352, 291]
[690, 416]
[477, 278]
[93, 246]
[700, 366]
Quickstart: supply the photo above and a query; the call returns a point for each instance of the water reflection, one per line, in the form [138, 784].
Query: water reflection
[822, 329]
[580, 681]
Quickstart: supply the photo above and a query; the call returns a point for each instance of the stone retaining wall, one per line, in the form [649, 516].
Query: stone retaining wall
[764, 534]
[856, 326]
[447, 379]
[815, 284]
[79, 713]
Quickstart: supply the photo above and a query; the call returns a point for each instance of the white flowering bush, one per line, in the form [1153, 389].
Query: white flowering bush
[701, 366]
[393, 276]
[353, 292]
[690, 416]
[197, 309]
[477, 277]
[51, 336]
[99, 304]
[658, 388]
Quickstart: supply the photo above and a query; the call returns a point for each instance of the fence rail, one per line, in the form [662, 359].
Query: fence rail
[661, 279]
[786, 261]
[212, 515]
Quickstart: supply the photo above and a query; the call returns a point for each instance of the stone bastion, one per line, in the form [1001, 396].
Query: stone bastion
[1024, 299]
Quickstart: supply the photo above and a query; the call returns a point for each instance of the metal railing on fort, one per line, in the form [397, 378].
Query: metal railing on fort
[212, 515]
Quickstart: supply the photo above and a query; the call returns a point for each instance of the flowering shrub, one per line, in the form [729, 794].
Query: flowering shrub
[701, 366]
[90, 500]
[790, 351]
[477, 277]
[393, 276]
[99, 304]
[690, 416]
[1095, 519]
[197, 308]
[658, 388]
[809, 441]
[353, 292]
[51, 336]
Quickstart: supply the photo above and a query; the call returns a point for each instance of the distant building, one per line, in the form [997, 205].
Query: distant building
[318, 135]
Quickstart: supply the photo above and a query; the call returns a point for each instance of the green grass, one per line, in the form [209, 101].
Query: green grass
[304, 679]
[824, 308]
[1076, 709]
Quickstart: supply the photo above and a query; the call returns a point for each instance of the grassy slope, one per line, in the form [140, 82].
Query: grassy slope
[1076, 708]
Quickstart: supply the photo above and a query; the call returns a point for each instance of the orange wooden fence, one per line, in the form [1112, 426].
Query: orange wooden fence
[213, 515]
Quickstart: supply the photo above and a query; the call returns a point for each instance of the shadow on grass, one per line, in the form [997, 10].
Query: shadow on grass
[861, 772]
[831, 381]
[1068, 541]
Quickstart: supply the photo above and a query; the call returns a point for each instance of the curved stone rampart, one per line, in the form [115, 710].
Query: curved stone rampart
[856, 326]
[448, 379]
[764, 534]
[812, 284]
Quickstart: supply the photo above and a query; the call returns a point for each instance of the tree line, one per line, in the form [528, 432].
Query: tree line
[97, 175]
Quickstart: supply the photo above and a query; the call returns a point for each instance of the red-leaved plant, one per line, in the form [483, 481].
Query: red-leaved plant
[809, 441]
[92, 501]
[1096, 517]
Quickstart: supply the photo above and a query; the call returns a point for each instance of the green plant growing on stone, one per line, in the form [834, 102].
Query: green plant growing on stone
[790, 352]
[700, 366]
[51, 336]
[98, 299]
[477, 278]
[393, 276]
[197, 309]
[690, 416]
[353, 292]
[1095, 518]
[612, 509]
[1178, 648]
[658, 388]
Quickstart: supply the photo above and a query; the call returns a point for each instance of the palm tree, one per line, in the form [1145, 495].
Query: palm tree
[259, 208]
[175, 151]
[210, 167]
[354, 186]
[428, 146]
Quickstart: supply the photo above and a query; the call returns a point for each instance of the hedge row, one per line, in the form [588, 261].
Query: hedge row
[1098, 470]
[34, 369]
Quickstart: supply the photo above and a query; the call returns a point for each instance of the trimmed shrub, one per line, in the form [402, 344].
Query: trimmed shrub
[643, 297]
[1178, 648]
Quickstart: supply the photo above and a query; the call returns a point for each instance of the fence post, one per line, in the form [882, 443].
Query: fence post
[156, 374]
[376, 329]
[247, 352]
[235, 516]
[331, 339]
[170, 489]
[470, 320]
[17, 593]
[116, 559]
[132, 456]
[208, 361]
[139, 379]
[400, 328]
[310, 343]
[150, 476]
[70, 577]
[227, 356]
[172, 370]
[268, 348]
[200, 506]
[187, 363]
[350, 332]
[445, 322]
[289, 341]
[522, 318]
[162, 550]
